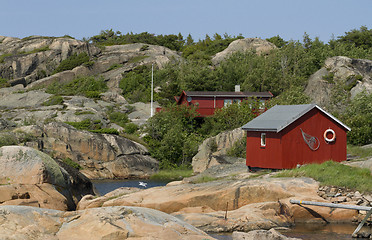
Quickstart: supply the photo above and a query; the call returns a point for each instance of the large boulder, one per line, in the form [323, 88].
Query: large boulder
[30, 177]
[257, 45]
[213, 150]
[100, 155]
[115, 223]
[351, 75]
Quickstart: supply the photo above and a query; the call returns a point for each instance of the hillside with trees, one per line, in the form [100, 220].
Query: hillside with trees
[121, 63]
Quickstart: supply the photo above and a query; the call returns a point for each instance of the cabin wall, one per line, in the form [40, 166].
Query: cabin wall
[315, 123]
[206, 106]
[287, 149]
[268, 156]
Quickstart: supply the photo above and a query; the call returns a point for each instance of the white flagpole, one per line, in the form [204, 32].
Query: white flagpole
[152, 89]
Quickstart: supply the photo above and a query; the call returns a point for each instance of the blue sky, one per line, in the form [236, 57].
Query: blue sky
[289, 19]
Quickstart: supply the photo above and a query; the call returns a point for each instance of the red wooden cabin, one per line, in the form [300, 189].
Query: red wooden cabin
[208, 102]
[286, 136]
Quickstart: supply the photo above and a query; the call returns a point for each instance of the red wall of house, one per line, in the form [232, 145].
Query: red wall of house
[287, 148]
[207, 105]
[264, 157]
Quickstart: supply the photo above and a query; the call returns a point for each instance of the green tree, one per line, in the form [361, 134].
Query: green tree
[172, 138]
[230, 117]
[358, 117]
[359, 37]
[277, 41]
[189, 40]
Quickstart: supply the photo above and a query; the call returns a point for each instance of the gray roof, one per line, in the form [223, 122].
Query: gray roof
[228, 94]
[280, 116]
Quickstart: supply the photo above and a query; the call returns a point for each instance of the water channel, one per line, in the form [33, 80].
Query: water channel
[302, 231]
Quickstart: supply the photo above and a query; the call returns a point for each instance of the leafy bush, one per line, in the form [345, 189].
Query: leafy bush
[130, 128]
[93, 126]
[172, 138]
[71, 62]
[119, 118]
[106, 131]
[136, 84]
[4, 83]
[8, 140]
[358, 117]
[84, 86]
[230, 117]
[86, 124]
[238, 149]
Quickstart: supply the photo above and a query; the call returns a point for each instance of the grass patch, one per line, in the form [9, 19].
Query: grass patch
[86, 124]
[105, 131]
[93, 126]
[114, 66]
[359, 151]
[134, 138]
[8, 139]
[172, 174]
[71, 62]
[119, 118]
[260, 174]
[71, 163]
[204, 178]
[334, 174]
[4, 83]
[36, 50]
[2, 57]
[90, 87]
[137, 59]
[77, 113]
[53, 100]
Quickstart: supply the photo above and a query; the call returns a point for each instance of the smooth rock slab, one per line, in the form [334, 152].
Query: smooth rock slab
[114, 223]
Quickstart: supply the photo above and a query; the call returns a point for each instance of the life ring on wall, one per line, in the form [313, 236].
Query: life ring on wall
[331, 132]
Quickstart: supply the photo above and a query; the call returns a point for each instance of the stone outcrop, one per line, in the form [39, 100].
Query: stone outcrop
[115, 223]
[227, 205]
[30, 177]
[31, 61]
[213, 150]
[352, 75]
[257, 45]
[100, 155]
[27, 60]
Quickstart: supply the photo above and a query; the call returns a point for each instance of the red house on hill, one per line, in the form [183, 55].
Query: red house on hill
[287, 135]
[208, 102]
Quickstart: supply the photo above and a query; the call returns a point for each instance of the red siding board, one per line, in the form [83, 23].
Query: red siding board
[287, 148]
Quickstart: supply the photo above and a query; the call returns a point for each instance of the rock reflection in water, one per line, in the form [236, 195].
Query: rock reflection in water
[105, 186]
[312, 232]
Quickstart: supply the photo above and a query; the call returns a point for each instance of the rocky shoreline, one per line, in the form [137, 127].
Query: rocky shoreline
[239, 201]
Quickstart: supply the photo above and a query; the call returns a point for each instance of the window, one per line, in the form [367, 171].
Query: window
[263, 139]
[262, 104]
[227, 102]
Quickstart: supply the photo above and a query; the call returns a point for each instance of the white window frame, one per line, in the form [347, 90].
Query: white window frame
[227, 102]
[263, 139]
